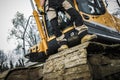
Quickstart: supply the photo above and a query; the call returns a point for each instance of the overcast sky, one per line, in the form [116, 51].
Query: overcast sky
[8, 9]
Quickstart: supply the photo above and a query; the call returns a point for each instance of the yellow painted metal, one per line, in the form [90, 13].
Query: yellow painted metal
[43, 44]
[68, 29]
[41, 8]
[75, 4]
[105, 19]
[38, 5]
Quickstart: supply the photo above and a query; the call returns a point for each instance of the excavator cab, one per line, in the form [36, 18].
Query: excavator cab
[99, 20]
[95, 16]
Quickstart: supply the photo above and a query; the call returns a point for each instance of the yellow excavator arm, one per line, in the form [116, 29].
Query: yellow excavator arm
[42, 47]
[39, 5]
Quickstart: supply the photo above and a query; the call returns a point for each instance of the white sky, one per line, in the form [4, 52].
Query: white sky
[8, 9]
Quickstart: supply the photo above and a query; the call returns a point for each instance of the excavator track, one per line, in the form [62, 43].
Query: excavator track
[87, 61]
[70, 64]
[115, 76]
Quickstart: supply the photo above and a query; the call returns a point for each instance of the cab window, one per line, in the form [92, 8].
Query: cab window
[94, 7]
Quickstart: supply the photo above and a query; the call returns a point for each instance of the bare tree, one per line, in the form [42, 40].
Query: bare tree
[22, 33]
[118, 2]
[19, 22]
[11, 64]
[3, 58]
